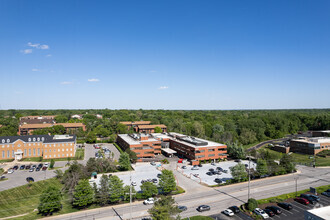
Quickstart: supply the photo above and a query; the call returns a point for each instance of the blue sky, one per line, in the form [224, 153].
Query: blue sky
[181, 54]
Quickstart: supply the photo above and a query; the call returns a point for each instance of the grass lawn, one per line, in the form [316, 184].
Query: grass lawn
[80, 154]
[198, 217]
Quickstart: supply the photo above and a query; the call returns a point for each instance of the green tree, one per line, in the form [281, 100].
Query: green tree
[158, 130]
[121, 129]
[52, 163]
[124, 161]
[116, 188]
[262, 167]
[236, 151]
[103, 192]
[50, 201]
[238, 172]
[287, 162]
[127, 192]
[91, 137]
[83, 194]
[61, 119]
[252, 204]
[167, 181]
[132, 155]
[148, 190]
[164, 209]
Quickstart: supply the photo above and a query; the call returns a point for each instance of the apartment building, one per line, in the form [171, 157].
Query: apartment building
[145, 146]
[321, 133]
[27, 129]
[134, 124]
[192, 148]
[46, 146]
[311, 146]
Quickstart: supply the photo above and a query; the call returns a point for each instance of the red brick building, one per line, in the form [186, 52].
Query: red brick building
[133, 124]
[148, 129]
[311, 146]
[27, 129]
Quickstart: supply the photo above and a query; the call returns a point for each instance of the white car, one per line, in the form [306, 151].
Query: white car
[228, 212]
[149, 201]
[10, 170]
[261, 212]
[46, 164]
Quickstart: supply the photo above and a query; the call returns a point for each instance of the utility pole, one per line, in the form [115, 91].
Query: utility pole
[249, 179]
[296, 179]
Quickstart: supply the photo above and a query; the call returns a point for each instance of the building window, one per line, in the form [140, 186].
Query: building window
[13, 154]
[8, 153]
[211, 155]
[210, 150]
[34, 151]
[29, 152]
[3, 154]
[24, 152]
[38, 151]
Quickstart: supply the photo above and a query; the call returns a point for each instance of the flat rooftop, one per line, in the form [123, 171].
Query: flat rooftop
[136, 141]
[314, 140]
[323, 212]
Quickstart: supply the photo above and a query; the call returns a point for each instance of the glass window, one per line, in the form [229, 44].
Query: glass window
[34, 151]
[3, 154]
[8, 153]
[29, 152]
[24, 152]
[38, 151]
[13, 153]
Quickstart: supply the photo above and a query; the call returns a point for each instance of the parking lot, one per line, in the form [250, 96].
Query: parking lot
[90, 151]
[142, 171]
[209, 179]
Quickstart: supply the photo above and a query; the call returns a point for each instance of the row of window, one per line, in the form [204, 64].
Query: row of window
[59, 155]
[210, 155]
[34, 144]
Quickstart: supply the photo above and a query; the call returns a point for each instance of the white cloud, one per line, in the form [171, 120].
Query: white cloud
[38, 46]
[93, 80]
[26, 51]
[66, 83]
[35, 70]
[163, 87]
[48, 55]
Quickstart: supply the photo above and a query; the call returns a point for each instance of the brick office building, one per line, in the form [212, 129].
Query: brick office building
[321, 133]
[310, 145]
[143, 145]
[27, 129]
[47, 146]
[149, 129]
[134, 124]
[194, 149]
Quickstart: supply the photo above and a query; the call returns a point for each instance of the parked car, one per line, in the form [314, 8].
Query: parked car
[285, 205]
[200, 165]
[153, 163]
[209, 173]
[275, 209]
[22, 167]
[38, 168]
[312, 200]
[302, 200]
[184, 167]
[228, 212]
[269, 212]
[203, 208]
[225, 171]
[149, 201]
[195, 168]
[154, 180]
[44, 168]
[238, 160]
[15, 168]
[2, 177]
[27, 167]
[217, 172]
[219, 168]
[46, 164]
[213, 164]
[34, 166]
[235, 209]
[40, 165]
[31, 169]
[196, 175]
[133, 183]
[261, 212]
[182, 208]
[326, 193]
[142, 181]
[317, 198]
[211, 170]
[29, 179]
[10, 170]
[159, 175]
[218, 180]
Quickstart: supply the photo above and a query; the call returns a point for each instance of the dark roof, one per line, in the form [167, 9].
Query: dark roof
[37, 138]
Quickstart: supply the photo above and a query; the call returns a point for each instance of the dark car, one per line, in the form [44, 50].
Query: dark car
[182, 208]
[44, 168]
[219, 168]
[27, 167]
[302, 200]
[217, 180]
[211, 170]
[159, 175]
[314, 197]
[38, 169]
[2, 177]
[234, 208]
[209, 173]
[285, 205]
[154, 180]
[312, 200]
[225, 171]
[200, 165]
[15, 168]
[40, 165]
[203, 208]
[29, 179]
[22, 167]
[269, 212]
[326, 194]
[217, 172]
[275, 209]
[34, 166]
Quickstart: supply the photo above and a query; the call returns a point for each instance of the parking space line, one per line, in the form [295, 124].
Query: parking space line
[284, 214]
[289, 212]
[295, 210]
[298, 207]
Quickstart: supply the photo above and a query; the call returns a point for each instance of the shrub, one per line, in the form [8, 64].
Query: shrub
[252, 204]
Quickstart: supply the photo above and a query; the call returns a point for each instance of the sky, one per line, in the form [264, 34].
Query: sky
[164, 54]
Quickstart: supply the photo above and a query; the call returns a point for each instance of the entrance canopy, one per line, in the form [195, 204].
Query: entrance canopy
[169, 151]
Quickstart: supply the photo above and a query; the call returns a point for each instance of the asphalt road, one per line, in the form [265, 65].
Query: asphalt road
[218, 198]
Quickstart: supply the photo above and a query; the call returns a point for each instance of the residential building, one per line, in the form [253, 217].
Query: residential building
[80, 116]
[27, 129]
[194, 149]
[38, 117]
[46, 146]
[148, 129]
[321, 133]
[312, 145]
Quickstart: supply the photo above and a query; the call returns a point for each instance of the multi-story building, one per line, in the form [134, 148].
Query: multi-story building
[27, 129]
[38, 117]
[321, 133]
[133, 124]
[148, 129]
[145, 146]
[46, 146]
[312, 145]
[194, 149]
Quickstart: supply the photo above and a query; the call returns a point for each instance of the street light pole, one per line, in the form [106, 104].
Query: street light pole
[249, 179]
[296, 179]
